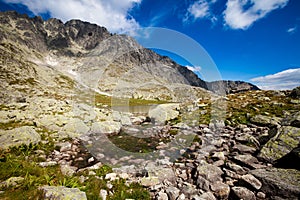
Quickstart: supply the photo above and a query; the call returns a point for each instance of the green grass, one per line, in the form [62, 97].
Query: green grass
[22, 162]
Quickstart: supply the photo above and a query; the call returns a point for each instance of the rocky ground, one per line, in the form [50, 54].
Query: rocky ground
[55, 149]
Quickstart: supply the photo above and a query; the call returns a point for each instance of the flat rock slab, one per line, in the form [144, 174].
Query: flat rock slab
[284, 142]
[19, 136]
[284, 183]
[62, 193]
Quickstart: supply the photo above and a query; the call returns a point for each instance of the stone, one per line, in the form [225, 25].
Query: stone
[284, 183]
[149, 181]
[209, 172]
[292, 120]
[19, 136]
[68, 170]
[103, 194]
[164, 112]
[250, 180]
[283, 143]
[261, 195]
[12, 182]
[162, 196]
[202, 183]
[206, 196]
[244, 148]
[219, 155]
[106, 127]
[111, 176]
[62, 193]
[181, 197]
[220, 190]
[172, 192]
[243, 193]
[236, 168]
[48, 164]
[266, 120]
[295, 93]
[247, 160]
[74, 128]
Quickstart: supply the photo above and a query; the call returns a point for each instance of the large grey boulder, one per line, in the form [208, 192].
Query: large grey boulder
[295, 93]
[62, 193]
[164, 112]
[266, 120]
[74, 128]
[292, 120]
[286, 139]
[283, 183]
[106, 127]
[19, 136]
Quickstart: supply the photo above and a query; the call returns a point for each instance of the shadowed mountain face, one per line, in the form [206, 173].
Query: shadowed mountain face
[52, 58]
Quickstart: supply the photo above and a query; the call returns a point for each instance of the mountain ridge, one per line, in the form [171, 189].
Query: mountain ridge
[78, 48]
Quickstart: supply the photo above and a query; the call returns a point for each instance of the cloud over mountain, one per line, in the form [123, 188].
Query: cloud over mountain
[287, 79]
[112, 14]
[241, 14]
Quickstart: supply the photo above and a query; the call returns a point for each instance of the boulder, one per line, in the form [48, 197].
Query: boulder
[292, 120]
[209, 172]
[284, 183]
[295, 93]
[19, 136]
[62, 193]
[283, 143]
[74, 128]
[106, 127]
[263, 120]
[242, 193]
[164, 112]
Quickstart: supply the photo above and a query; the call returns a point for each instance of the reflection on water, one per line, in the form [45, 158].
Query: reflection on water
[136, 109]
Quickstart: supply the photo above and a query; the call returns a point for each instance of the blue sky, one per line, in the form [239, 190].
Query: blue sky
[251, 40]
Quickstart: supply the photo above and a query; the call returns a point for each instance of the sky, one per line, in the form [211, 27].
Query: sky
[257, 41]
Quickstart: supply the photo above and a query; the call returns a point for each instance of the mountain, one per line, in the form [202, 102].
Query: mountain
[53, 58]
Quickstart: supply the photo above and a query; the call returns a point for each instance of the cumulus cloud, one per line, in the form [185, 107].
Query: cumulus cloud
[200, 9]
[241, 14]
[284, 80]
[112, 14]
[194, 68]
[292, 30]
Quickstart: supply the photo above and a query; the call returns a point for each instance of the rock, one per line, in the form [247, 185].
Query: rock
[284, 183]
[111, 176]
[266, 120]
[164, 112]
[292, 120]
[181, 197]
[295, 93]
[220, 190]
[244, 148]
[261, 195]
[236, 168]
[68, 170]
[62, 193]
[19, 136]
[242, 193]
[149, 181]
[12, 182]
[202, 183]
[250, 180]
[209, 172]
[219, 155]
[106, 127]
[74, 128]
[162, 196]
[103, 194]
[206, 196]
[48, 164]
[172, 192]
[283, 143]
[247, 160]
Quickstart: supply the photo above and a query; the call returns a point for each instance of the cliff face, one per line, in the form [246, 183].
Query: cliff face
[52, 58]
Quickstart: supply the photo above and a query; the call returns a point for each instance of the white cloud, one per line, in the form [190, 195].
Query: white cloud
[292, 30]
[241, 14]
[284, 80]
[200, 9]
[112, 14]
[194, 69]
